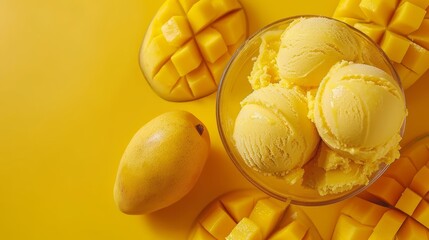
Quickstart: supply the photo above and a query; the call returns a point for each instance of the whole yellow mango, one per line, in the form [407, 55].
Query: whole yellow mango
[162, 163]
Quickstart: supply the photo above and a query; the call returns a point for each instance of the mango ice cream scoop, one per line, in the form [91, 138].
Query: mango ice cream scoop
[272, 131]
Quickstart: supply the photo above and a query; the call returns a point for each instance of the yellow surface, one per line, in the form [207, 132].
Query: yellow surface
[72, 96]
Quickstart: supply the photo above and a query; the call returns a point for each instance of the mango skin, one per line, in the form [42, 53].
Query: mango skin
[162, 163]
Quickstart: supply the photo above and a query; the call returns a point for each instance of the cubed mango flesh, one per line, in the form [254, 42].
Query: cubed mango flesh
[293, 231]
[411, 229]
[395, 46]
[402, 170]
[387, 190]
[266, 214]
[421, 36]
[373, 31]
[246, 229]
[201, 81]
[407, 18]
[418, 153]
[363, 211]
[378, 11]
[416, 59]
[421, 214]
[349, 228]
[408, 201]
[200, 233]
[187, 33]
[349, 9]
[218, 222]
[420, 183]
[388, 226]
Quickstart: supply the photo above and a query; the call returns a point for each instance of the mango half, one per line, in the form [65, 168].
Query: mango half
[188, 44]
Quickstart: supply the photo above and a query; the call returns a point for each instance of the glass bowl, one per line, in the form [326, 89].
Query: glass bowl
[234, 87]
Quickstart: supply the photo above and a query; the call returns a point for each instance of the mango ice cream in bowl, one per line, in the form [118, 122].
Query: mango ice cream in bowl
[310, 110]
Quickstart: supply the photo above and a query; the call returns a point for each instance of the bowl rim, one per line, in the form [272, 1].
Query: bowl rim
[220, 128]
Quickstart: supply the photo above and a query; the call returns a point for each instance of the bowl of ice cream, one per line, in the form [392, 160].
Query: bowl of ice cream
[310, 110]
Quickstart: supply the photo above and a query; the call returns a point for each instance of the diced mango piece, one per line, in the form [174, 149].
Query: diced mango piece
[293, 231]
[378, 11]
[176, 30]
[411, 229]
[266, 214]
[416, 59]
[187, 58]
[201, 14]
[407, 18]
[164, 81]
[200, 233]
[218, 67]
[187, 4]
[349, 9]
[421, 3]
[168, 9]
[420, 182]
[402, 170]
[388, 225]
[246, 229]
[408, 201]
[180, 91]
[211, 44]
[217, 222]
[239, 204]
[373, 31]
[395, 46]
[201, 82]
[223, 7]
[349, 228]
[386, 189]
[231, 27]
[156, 54]
[418, 153]
[421, 36]
[365, 212]
[407, 76]
[421, 214]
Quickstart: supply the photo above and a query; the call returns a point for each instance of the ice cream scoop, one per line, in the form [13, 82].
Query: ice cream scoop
[310, 46]
[359, 110]
[272, 132]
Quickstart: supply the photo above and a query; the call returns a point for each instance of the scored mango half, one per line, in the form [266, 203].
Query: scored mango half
[399, 27]
[188, 44]
[252, 215]
[396, 206]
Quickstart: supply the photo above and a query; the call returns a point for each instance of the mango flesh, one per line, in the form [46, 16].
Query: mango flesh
[396, 206]
[401, 28]
[162, 163]
[252, 215]
[188, 44]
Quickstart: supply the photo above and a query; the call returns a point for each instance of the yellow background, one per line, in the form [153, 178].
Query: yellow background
[71, 97]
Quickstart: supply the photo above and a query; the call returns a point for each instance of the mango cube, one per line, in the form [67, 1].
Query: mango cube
[420, 181]
[373, 31]
[418, 153]
[408, 201]
[407, 18]
[159, 51]
[349, 228]
[246, 229]
[218, 67]
[200, 233]
[407, 76]
[349, 9]
[187, 4]
[386, 189]
[378, 11]
[187, 58]
[217, 222]
[231, 27]
[266, 214]
[402, 170]
[239, 204]
[180, 91]
[421, 36]
[293, 231]
[224, 7]
[176, 30]
[164, 81]
[412, 230]
[365, 212]
[168, 9]
[421, 3]
[211, 44]
[416, 59]
[201, 82]
[395, 46]
[388, 225]
[201, 14]
[421, 214]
